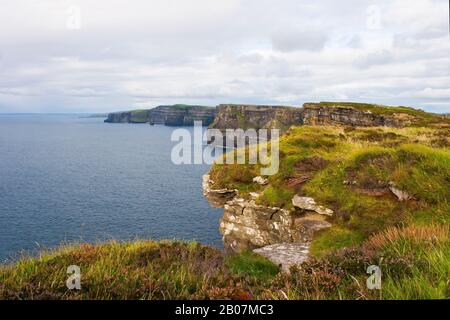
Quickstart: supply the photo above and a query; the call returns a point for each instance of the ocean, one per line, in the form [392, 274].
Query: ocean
[69, 179]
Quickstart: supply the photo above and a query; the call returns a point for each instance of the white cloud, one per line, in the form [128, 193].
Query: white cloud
[143, 53]
[288, 40]
[431, 93]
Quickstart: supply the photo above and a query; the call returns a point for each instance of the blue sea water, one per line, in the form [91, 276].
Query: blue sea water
[67, 179]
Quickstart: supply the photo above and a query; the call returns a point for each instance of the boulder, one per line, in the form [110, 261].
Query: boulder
[246, 225]
[254, 195]
[260, 180]
[308, 225]
[216, 197]
[307, 203]
[400, 194]
[285, 254]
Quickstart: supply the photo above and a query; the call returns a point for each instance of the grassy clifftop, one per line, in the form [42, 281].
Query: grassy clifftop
[139, 116]
[414, 262]
[350, 171]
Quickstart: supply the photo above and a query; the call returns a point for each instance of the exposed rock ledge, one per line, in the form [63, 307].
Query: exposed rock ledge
[307, 203]
[246, 225]
[216, 197]
[285, 254]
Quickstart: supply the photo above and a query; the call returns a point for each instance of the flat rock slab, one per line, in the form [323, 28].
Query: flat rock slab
[285, 254]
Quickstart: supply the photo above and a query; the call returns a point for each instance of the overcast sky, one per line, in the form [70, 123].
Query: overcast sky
[108, 55]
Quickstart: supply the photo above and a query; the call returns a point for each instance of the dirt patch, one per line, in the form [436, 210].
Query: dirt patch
[381, 162]
[363, 181]
[305, 169]
[441, 143]
[367, 184]
[377, 136]
[295, 181]
[441, 124]
[311, 164]
[375, 192]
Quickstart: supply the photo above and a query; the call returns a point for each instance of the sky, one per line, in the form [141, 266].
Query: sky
[109, 55]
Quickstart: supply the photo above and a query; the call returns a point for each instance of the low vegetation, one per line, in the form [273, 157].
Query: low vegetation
[414, 263]
[414, 260]
[137, 270]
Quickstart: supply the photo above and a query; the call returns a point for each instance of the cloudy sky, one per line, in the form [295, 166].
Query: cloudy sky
[107, 55]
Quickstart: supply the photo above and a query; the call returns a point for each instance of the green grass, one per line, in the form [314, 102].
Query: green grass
[334, 238]
[414, 263]
[139, 116]
[371, 158]
[276, 197]
[251, 264]
[421, 171]
[428, 277]
[137, 270]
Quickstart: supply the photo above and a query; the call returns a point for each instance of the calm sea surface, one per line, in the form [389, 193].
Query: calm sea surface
[69, 179]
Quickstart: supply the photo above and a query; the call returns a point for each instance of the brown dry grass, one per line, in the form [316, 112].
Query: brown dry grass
[434, 233]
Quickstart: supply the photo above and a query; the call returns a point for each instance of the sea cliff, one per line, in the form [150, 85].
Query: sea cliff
[232, 116]
[242, 116]
[174, 115]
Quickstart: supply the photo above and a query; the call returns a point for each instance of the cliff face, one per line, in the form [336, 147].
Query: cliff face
[135, 116]
[325, 113]
[335, 114]
[370, 115]
[231, 116]
[175, 115]
[256, 117]
[181, 115]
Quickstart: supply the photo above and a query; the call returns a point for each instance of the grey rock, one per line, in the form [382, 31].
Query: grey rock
[216, 197]
[307, 203]
[260, 180]
[285, 254]
[400, 194]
